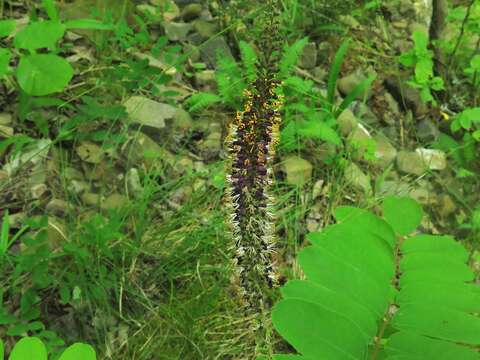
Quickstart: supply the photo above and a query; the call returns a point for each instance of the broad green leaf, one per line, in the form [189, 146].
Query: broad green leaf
[409, 346]
[458, 296]
[317, 332]
[438, 322]
[7, 27]
[91, 24]
[43, 74]
[333, 301]
[51, 9]
[43, 34]
[5, 56]
[29, 348]
[79, 351]
[403, 214]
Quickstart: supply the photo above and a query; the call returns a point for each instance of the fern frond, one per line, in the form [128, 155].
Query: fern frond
[363, 276]
[290, 57]
[202, 100]
[249, 60]
[230, 82]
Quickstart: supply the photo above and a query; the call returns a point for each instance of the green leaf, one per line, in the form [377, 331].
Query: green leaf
[7, 27]
[29, 348]
[5, 56]
[409, 346]
[4, 232]
[91, 24]
[2, 350]
[301, 322]
[43, 34]
[290, 57]
[51, 9]
[319, 130]
[403, 214]
[43, 74]
[79, 351]
[335, 70]
[249, 60]
[359, 89]
[202, 100]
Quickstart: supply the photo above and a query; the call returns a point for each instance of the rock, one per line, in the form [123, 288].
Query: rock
[348, 83]
[323, 53]
[90, 152]
[407, 97]
[38, 190]
[57, 207]
[205, 29]
[347, 122]
[298, 170]
[144, 111]
[385, 153]
[143, 150]
[391, 118]
[114, 202]
[6, 131]
[411, 162]
[191, 12]
[169, 8]
[205, 80]
[177, 31]
[364, 113]
[360, 141]
[78, 187]
[308, 60]
[184, 165]
[210, 146]
[357, 178]
[423, 12]
[318, 188]
[134, 185]
[5, 119]
[393, 188]
[433, 159]
[320, 73]
[447, 205]
[350, 21]
[427, 130]
[91, 199]
[182, 121]
[210, 49]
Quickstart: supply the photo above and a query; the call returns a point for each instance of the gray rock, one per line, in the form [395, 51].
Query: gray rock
[210, 146]
[360, 140]
[391, 117]
[6, 131]
[348, 83]
[38, 190]
[357, 178]
[434, 159]
[427, 130]
[177, 31]
[134, 184]
[5, 119]
[182, 121]
[78, 187]
[91, 199]
[212, 48]
[191, 12]
[297, 169]
[364, 113]
[385, 152]
[90, 152]
[407, 97]
[447, 205]
[205, 29]
[308, 60]
[347, 122]
[205, 80]
[411, 162]
[147, 112]
[57, 207]
[114, 202]
[393, 188]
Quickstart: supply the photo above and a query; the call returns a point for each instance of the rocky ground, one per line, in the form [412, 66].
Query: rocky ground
[131, 181]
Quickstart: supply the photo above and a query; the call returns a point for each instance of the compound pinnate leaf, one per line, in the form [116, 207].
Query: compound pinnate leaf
[29, 348]
[403, 214]
[43, 74]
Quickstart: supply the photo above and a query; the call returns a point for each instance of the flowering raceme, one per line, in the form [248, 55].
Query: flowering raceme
[251, 141]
